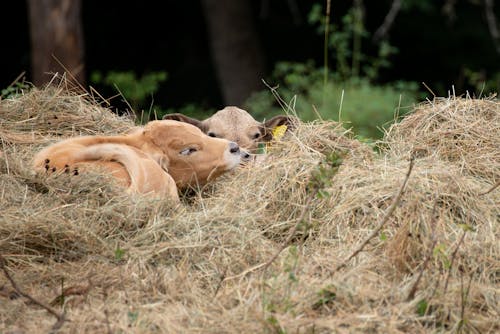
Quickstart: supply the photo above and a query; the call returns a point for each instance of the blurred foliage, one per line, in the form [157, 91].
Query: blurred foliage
[348, 86]
[135, 90]
[483, 86]
[358, 103]
[345, 41]
[138, 92]
[192, 110]
[348, 92]
[15, 89]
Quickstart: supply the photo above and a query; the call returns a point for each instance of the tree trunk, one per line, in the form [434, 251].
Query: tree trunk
[236, 50]
[56, 39]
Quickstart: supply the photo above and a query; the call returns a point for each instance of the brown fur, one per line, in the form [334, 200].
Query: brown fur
[156, 158]
[236, 125]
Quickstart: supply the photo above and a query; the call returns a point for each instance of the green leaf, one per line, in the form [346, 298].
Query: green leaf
[323, 194]
[132, 316]
[422, 307]
[326, 296]
[119, 254]
[467, 228]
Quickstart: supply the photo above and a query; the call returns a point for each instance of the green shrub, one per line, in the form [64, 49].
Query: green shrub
[347, 92]
[482, 84]
[135, 90]
[358, 103]
[13, 90]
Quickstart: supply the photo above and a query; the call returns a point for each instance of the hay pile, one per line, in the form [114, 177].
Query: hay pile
[127, 264]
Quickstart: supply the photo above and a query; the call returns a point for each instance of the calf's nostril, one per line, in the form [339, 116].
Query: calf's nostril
[234, 148]
[245, 155]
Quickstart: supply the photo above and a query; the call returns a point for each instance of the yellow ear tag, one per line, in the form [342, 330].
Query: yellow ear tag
[278, 133]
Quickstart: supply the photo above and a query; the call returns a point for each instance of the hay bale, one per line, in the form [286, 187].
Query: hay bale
[65, 217]
[59, 216]
[147, 267]
[462, 131]
[39, 116]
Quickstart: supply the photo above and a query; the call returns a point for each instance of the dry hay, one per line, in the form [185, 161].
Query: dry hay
[461, 131]
[127, 264]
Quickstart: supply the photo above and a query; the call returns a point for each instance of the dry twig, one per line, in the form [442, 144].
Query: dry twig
[388, 213]
[491, 189]
[266, 264]
[60, 316]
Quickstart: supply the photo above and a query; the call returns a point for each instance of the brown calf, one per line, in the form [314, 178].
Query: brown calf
[236, 125]
[157, 158]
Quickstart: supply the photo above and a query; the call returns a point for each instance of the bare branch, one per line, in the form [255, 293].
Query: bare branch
[492, 23]
[60, 316]
[382, 31]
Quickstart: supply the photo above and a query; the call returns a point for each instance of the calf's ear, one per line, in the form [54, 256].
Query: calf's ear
[185, 119]
[269, 125]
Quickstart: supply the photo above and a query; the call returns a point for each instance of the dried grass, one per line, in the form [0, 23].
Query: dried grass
[461, 131]
[140, 266]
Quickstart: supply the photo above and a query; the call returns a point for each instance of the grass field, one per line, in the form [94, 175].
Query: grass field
[324, 236]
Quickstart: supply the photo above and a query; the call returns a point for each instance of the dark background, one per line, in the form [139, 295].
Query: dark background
[172, 36]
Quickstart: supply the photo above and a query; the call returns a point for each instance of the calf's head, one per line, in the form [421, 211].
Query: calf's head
[236, 125]
[193, 157]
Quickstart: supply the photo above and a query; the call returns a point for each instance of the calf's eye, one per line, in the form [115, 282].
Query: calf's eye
[188, 151]
[256, 136]
[211, 134]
